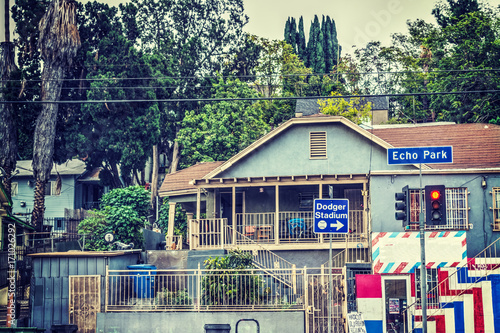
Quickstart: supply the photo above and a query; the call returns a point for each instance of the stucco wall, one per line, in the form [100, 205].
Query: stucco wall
[382, 189]
[288, 154]
[194, 322]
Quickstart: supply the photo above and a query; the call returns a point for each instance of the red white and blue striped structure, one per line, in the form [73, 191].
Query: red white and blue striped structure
[468, 292]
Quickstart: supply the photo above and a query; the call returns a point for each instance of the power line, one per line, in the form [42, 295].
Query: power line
[258, 76]
[180, 100]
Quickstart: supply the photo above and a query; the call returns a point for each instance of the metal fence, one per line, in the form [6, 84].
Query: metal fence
[203, 290]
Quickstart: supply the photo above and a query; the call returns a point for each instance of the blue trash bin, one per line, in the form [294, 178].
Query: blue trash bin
[144, 281]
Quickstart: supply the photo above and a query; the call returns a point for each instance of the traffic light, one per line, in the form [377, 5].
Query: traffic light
[435, 205]
[403, 206]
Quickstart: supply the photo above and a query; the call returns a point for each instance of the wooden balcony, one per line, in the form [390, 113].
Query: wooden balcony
[285, 230]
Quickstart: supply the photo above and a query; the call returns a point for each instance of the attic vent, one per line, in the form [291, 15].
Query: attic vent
[317, 144]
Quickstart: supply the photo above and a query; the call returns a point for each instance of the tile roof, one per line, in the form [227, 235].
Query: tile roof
[179, 181]
[474, 145]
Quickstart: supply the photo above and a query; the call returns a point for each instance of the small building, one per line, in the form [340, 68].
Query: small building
[71, 187]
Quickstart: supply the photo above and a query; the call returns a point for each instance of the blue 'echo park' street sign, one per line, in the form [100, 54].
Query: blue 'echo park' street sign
[416, 155]
[331, 216]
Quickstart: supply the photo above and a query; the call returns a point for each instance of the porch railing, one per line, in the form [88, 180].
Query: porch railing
[201, 290]
[288, 227]
[281, 269]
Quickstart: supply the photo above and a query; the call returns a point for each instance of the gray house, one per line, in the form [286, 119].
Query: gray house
[263, 198]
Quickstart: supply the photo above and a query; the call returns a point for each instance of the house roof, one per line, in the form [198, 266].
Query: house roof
[310, 106]
[474, 145]
[180, 181]
[70, 167]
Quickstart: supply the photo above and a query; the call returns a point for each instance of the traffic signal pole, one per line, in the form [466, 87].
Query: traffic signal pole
[423, 269]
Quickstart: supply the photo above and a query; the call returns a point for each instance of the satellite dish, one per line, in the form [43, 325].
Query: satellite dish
[109, 237]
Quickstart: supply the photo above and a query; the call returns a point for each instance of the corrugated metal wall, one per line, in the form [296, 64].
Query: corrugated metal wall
[50, 284]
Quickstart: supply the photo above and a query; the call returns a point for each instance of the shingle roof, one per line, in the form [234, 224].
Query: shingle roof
[179, 181]
[310, 106]
[474, 145]
[70, 167]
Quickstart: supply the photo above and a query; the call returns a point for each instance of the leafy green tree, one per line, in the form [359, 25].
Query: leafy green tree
[355, 109]
[135, 197]
[123, 212]
[194, 37]
[95, 226]
[222, 128]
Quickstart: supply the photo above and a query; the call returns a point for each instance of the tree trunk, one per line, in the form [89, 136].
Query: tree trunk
[8, 133]
[175, 158]
[59, 42]
[154, 177]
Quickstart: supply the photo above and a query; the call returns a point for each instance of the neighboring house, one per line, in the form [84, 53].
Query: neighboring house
[70, 187]
[262, 198]
[12, 260]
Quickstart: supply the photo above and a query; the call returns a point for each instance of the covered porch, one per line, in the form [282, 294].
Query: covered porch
[276, 212]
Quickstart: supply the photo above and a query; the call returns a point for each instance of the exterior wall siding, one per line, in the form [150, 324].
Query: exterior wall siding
[288, 154]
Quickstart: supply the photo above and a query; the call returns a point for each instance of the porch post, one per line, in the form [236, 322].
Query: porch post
[277, 215]
[189, 231]
[234, 214]
[365, 212]
[198, 204]
[171, 222]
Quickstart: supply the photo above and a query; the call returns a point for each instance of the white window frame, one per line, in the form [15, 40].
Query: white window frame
[51, 188]
[495, 193]
[14, 189]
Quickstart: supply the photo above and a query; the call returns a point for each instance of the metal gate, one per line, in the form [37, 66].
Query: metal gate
[84, 301]
[318, 309]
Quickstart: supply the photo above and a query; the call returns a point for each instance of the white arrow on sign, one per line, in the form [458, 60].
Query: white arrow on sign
[337, 224]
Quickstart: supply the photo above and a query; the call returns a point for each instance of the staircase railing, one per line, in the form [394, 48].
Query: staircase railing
[280, 269]
[463, 278]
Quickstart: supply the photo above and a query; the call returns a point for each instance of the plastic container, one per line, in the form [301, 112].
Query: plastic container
[144, 281]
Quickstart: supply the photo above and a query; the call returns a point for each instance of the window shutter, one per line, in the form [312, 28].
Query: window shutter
[317, 144]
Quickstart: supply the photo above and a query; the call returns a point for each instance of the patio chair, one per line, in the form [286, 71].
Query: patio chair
[296, 227]
[250, 231]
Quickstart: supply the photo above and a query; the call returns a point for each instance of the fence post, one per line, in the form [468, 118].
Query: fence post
[106, 300]
[198, 289]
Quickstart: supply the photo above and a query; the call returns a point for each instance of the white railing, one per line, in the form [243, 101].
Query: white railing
[279, 268]
[292, 227]
[201, 290]
[209, 234]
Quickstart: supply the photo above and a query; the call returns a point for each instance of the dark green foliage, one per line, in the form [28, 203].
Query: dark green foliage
[180, 223]
[228, 281]
[123, 213]
[322, 50]
[222, 128]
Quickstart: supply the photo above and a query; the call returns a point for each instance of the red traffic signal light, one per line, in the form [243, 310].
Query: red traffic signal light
[435, 205]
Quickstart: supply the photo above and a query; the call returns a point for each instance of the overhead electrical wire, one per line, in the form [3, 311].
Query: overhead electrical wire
[180, 100]
[260, 76]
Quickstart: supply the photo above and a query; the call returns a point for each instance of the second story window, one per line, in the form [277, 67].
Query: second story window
[13, 189]
[496, 208]
[457, 209]
[51, 188]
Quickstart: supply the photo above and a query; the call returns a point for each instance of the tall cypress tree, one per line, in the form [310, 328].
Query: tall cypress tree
[301, 40]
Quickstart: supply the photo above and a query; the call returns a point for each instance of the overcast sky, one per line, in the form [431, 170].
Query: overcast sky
[357, 21]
